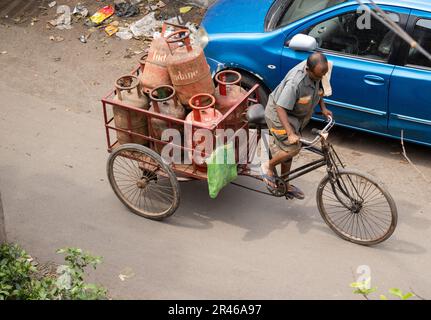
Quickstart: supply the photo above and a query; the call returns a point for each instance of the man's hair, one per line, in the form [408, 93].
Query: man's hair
[315, 59]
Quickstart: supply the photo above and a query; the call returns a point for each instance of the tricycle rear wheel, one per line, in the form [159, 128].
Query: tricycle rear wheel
[143, 182]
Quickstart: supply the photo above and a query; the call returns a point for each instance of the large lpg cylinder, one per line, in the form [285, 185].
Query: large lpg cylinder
[164, 101]
[128, 92]
[228, 93]
[153, 65]
[203, 114]
[188, 68]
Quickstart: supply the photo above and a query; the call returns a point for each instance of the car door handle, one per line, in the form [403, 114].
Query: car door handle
[374, 80]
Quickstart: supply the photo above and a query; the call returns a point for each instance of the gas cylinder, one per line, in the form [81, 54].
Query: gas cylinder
[164, 101]
[153, 65]
[228, 93]
[188, 68]
[203, 114]
[128, 92]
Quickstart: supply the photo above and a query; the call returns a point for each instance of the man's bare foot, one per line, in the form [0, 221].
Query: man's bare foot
[268, 175]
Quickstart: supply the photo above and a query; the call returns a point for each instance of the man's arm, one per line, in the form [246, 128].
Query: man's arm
[327, 113]
[284, 119]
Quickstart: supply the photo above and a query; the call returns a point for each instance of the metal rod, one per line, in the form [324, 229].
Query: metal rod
[316, 151]
[308, 165]
[105, 116]
[251, 189]
[240, 102]
[304, 172]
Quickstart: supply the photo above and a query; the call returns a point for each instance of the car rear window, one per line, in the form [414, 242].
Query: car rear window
[299, 9]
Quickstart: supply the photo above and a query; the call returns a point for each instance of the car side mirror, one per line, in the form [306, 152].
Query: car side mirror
[302, 42]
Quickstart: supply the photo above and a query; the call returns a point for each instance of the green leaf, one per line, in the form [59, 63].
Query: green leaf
[382, 297]
[396, 292]
[408, 296]
[356, 285]
[369, 291]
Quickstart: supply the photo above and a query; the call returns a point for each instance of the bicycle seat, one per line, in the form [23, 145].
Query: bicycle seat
[256, 115]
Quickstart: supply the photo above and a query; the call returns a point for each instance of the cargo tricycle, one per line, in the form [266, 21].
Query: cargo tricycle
[356, 206]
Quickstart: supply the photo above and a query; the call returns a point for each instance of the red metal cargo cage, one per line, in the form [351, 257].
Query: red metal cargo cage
[130, 133]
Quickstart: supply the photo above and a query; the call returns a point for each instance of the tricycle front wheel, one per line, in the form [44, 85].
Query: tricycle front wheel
[143, 182]
[357, 207]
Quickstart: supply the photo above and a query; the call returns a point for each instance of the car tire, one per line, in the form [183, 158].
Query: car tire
[249, 81]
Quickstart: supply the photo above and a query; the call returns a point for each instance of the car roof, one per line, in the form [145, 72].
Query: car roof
[411, 4]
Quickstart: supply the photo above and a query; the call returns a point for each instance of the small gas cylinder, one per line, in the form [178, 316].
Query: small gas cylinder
[203, 114]
[128, 92]
[188, 68]
[228, 93]
[164, 101]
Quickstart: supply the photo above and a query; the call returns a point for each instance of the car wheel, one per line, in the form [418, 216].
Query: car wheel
[248, 82]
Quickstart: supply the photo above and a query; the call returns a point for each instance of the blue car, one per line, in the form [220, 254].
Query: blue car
[380, 84]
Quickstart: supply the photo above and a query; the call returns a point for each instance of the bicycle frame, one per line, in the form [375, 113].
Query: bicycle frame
[329, 158]
[325, 160]
[332, 161]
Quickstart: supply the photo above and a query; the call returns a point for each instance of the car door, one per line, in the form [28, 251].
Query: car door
[362, 58]
[410, 91]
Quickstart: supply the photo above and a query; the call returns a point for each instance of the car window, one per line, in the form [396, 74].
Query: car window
[422, 34]
[350, 34]
[299, 9]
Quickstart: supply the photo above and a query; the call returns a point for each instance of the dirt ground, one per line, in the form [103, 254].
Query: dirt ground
[53, 65]
[55, 192]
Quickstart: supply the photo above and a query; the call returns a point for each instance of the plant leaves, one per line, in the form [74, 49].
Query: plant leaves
[396, 292]
[21, 279]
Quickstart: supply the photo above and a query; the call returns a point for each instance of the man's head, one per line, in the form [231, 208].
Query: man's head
[317, 66]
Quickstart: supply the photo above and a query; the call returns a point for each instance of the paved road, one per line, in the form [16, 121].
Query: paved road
[242, 245]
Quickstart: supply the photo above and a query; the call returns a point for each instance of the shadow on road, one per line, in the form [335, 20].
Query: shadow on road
[257, 214]
[400, 246]
[259, 217]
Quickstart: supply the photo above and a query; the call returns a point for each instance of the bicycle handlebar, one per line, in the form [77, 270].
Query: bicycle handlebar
[319, 133]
